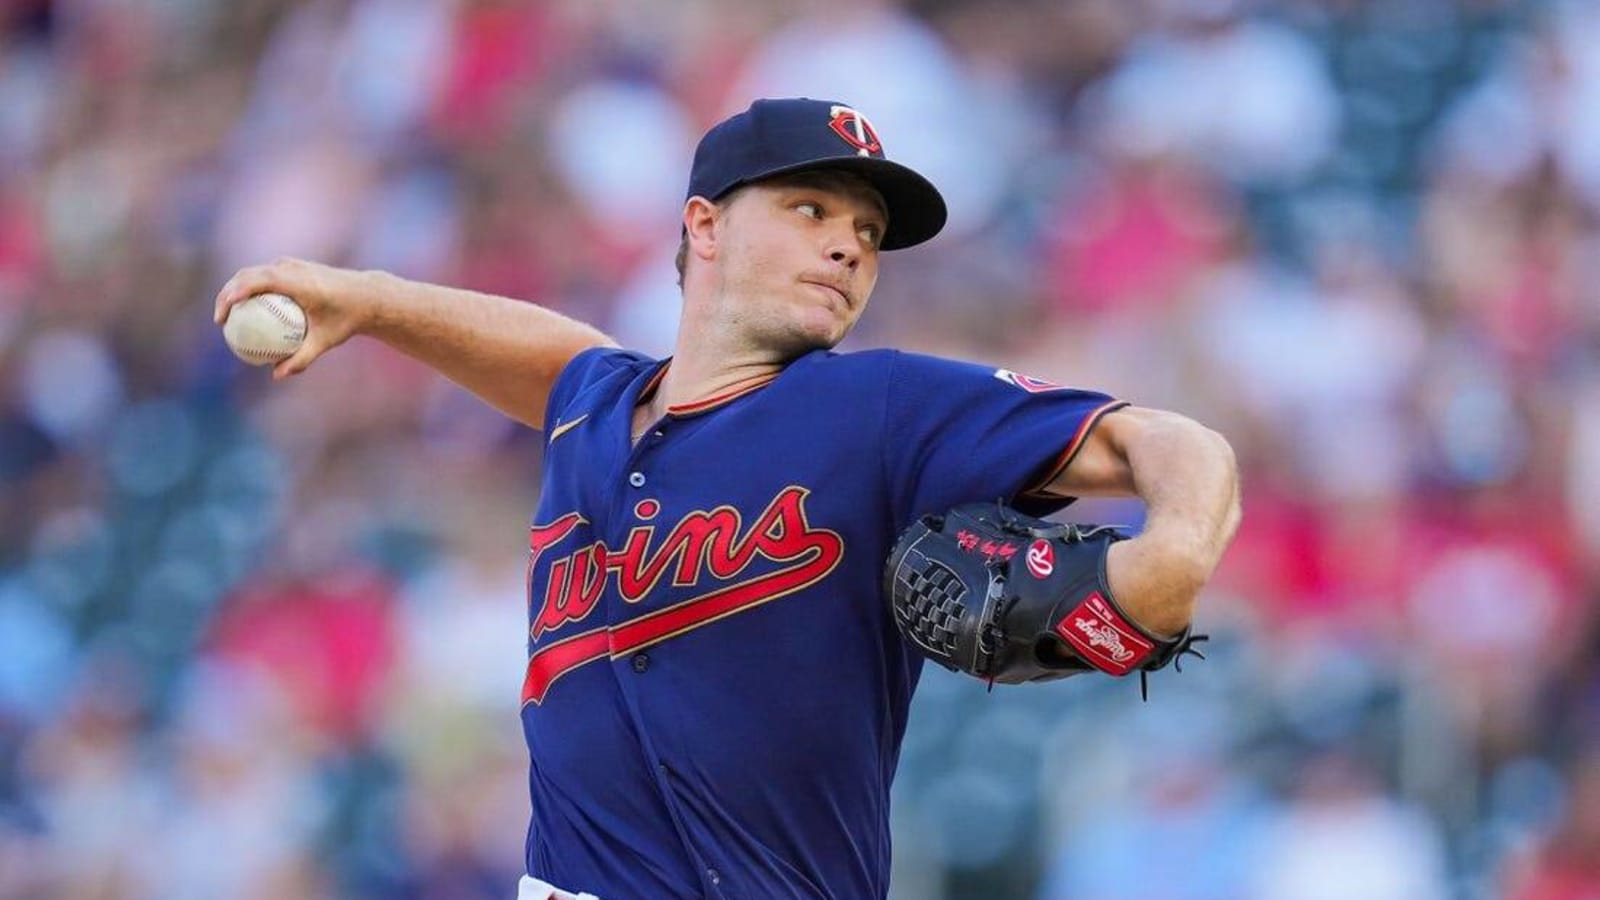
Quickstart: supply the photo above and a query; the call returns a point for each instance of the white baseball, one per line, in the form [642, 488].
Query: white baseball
[265, 329]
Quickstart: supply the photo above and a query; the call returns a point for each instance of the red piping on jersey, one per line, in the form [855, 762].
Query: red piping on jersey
[719, 399]
[1060, 465]
[699, 406]
[654, 382]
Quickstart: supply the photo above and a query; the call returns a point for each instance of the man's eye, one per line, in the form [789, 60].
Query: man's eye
[810, 209]
[870, 234]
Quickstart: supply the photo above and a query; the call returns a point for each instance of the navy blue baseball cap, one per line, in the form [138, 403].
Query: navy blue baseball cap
[779, 137]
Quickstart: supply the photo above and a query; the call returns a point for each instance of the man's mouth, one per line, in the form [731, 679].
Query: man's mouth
[836, 290]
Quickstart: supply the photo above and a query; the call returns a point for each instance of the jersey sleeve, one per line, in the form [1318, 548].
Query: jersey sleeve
[959, 432]
[580, 372]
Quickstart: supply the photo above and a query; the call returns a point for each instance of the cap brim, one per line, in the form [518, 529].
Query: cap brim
[916, 208]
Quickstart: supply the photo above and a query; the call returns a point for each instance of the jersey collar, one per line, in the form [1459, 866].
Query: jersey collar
[695, 407]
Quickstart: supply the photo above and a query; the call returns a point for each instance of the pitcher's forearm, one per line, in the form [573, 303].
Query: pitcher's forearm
[1188, 478]
[507, 352]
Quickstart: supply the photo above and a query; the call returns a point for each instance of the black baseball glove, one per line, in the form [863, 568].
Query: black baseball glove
[1006, 597]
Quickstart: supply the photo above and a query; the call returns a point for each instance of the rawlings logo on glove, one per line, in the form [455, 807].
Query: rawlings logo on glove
[959, 590]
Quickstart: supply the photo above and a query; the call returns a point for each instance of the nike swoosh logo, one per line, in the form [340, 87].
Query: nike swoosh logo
[565, 427]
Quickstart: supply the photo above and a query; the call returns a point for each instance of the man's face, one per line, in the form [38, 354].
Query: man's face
[797, 259]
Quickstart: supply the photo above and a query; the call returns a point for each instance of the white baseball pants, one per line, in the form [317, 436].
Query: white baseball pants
[531, 888]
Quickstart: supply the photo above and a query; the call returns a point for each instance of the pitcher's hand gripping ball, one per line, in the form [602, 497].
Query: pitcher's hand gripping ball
[1007, 597]
[265, 329]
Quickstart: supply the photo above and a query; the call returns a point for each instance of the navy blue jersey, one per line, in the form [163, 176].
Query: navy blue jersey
[715, 694]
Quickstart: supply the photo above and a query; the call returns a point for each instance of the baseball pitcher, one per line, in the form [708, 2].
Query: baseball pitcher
[744, 553]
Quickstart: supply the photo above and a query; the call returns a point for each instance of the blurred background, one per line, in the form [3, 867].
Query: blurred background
[265, 641]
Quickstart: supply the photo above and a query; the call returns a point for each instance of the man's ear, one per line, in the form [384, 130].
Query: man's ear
[699, 224]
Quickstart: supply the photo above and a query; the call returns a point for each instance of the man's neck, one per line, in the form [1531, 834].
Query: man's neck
[705, 364]
[698, 377]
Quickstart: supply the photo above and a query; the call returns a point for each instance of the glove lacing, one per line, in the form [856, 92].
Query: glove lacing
[1186, 646]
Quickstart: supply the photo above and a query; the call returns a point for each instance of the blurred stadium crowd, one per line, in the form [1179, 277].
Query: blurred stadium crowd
[264, 641]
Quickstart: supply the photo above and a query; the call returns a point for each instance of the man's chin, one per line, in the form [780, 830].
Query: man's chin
[821, 339]
[799, 340]
[799, 345]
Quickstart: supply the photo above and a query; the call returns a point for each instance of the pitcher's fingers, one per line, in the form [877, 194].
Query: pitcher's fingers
[245, 283]
[300, 359]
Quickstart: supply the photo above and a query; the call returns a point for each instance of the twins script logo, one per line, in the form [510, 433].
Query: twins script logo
[700, 544]
[1105, 637]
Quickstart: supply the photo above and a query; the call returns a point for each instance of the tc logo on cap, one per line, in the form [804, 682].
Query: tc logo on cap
[855, 129]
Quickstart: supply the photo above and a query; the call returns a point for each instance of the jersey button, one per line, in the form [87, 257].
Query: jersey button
[636, 479]
[714, 875]
[641, 661]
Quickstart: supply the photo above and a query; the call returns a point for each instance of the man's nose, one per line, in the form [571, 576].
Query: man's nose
[845, 250]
